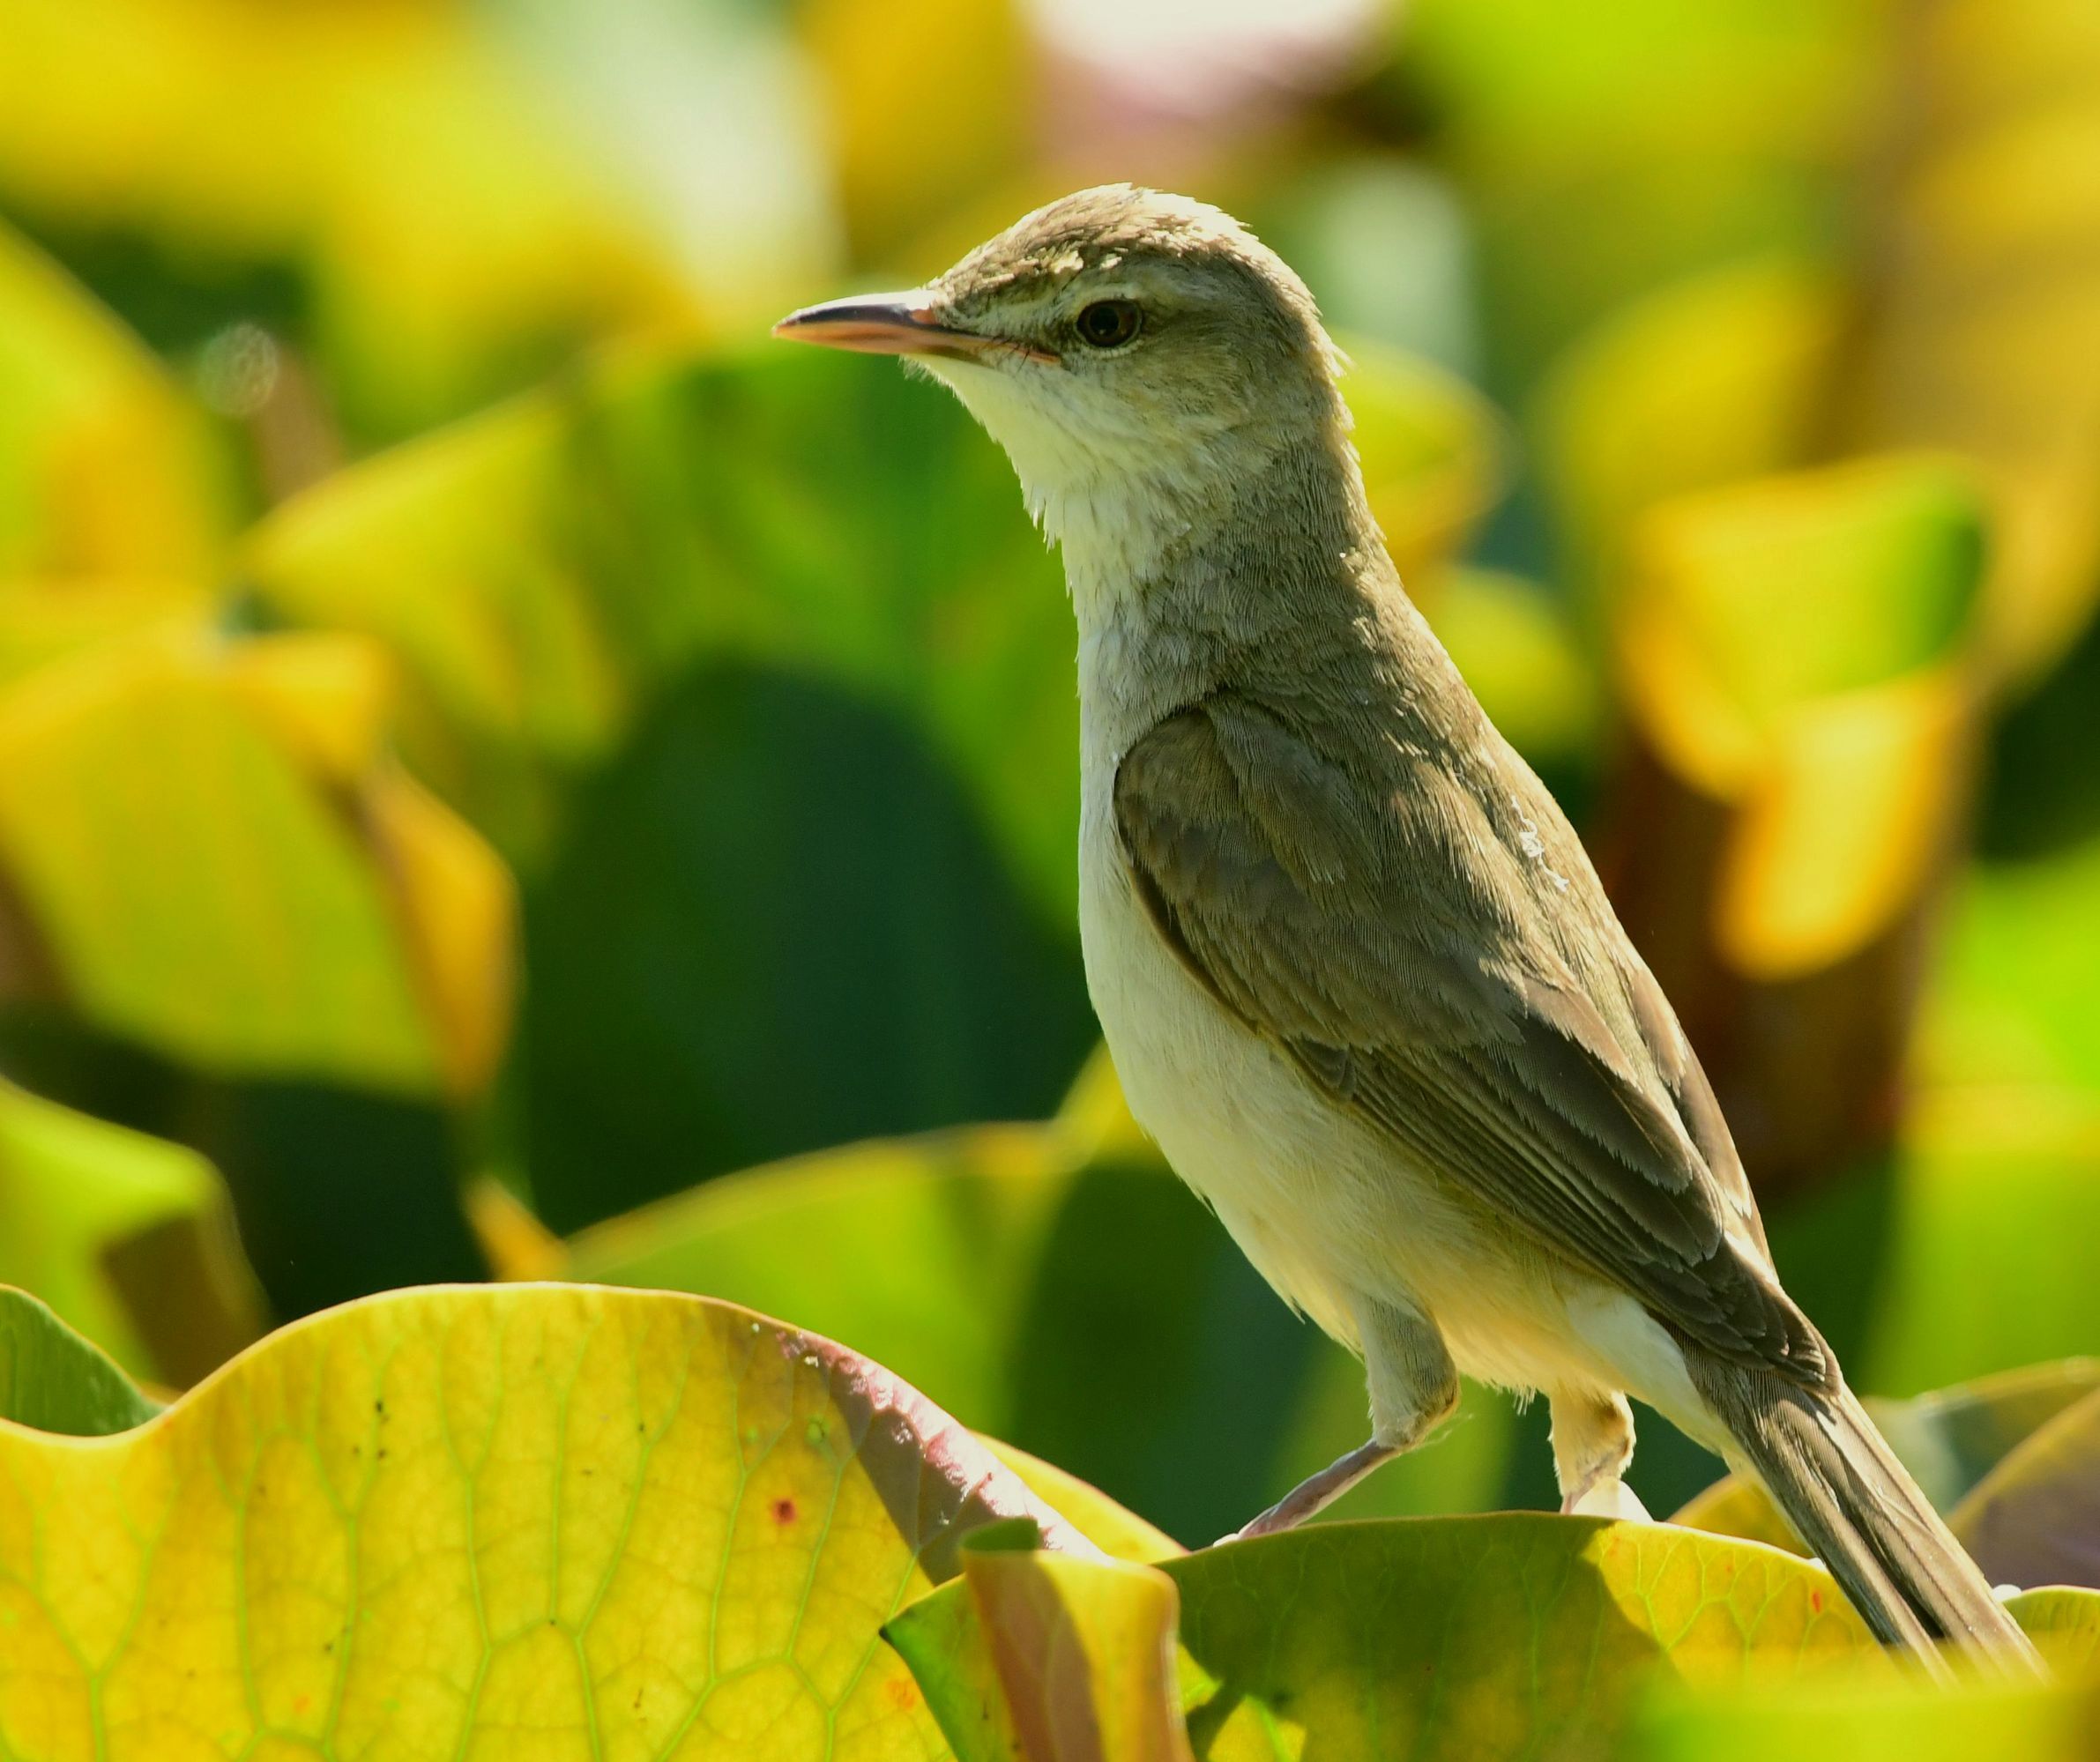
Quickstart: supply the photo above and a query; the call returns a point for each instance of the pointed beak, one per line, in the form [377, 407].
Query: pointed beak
[893, 325]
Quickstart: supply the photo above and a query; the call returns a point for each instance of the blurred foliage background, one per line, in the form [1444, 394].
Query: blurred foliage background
[505, 773]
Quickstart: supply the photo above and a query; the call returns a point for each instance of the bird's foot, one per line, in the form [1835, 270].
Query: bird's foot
[1316, 1492]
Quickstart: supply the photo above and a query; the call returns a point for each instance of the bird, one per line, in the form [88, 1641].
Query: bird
[1354, 970]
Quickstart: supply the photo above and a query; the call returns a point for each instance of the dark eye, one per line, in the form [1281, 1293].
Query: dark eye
[1109, 323]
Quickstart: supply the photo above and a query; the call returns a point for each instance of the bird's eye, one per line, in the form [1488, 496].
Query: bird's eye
[1109, 323]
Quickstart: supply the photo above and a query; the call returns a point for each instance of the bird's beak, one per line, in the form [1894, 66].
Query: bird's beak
[893, 325]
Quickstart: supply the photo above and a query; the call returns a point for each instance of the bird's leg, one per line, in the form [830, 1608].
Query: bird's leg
[1593, 1441]
[1414, 1386]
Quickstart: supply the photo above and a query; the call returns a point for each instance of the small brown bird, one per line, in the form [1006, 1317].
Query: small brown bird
[1356, 972]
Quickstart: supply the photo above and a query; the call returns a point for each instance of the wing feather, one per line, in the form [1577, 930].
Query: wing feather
[1315, 900]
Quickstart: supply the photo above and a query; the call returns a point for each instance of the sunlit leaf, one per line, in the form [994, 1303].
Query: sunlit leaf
[1605, 157]
[1383, 1638]
[927, 104]
[1985, 338]
[168, 820]
[1117, 1533]
[53, 1380]
[129, 1240]
[103, 469]
[46, 618]
[448, 1521]
[2064, 1622]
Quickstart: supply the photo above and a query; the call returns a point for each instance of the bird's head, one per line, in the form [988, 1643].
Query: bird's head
[1127, 348]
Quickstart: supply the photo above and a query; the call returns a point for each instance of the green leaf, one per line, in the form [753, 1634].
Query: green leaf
[129, 1240]
[2065, 1623]
[104, 470]
[2008, 1006]
[717, 981]
[53, 1379]
[1475, 1637]
[471, 1521]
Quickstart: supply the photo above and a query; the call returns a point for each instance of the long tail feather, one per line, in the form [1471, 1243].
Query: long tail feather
[1841, 1486]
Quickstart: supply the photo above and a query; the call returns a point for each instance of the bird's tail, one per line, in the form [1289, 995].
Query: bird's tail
[1850, 1499]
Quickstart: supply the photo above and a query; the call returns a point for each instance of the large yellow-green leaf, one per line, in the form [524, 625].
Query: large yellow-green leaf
[1056, 1287]
[53, 1380]
[537, 1521]
[129, 1240]
[173, 824]
[103, 470]
[1475, 1637]
[1949, 1440]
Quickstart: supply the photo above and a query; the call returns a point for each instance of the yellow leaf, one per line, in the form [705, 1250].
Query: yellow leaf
[517, 1522]
[1083, 1651]
[517, 1246]
[325, 697]
[459, 919]
[1799, 647]
[1860, 798]
[76, 1193]
[45, 618]
[103, 469]
[1432, 453]
[1119, 1534]
[454, 552]
[1707, 381]
[928, 102]
[1986, 335]
[196, 890]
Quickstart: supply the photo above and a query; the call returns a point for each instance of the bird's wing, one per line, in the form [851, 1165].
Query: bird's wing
[1298, 889]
